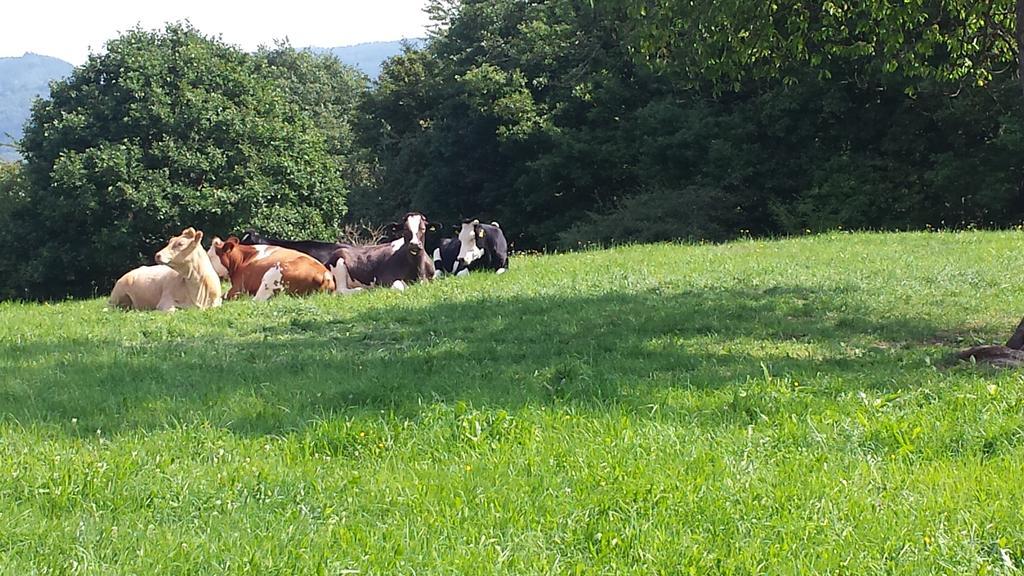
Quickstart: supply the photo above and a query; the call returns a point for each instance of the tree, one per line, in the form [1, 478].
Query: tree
[330, 94]
[509, 113]
[167, 129]
[575, 122]
[728, 42]
[12, 199]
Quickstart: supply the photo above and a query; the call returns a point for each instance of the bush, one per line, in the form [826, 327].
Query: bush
[693, 213]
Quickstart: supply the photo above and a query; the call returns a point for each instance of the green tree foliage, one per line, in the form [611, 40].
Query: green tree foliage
[170, 129]
[513, 113]
[12, 199]
[574, 122]
[726, 42]
[329, 93]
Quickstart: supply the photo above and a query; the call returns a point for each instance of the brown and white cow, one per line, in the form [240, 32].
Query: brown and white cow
[184, 277]
[263, 271]
[393, 264]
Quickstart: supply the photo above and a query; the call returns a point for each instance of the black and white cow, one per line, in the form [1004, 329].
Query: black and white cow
[477, 247]
[322, 251]
[393, 264]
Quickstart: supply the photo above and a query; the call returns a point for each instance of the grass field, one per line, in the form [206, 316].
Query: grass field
[756, 407]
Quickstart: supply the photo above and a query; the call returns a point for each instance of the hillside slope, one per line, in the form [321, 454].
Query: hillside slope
[22, 79]
[369, 56]
[754, 407]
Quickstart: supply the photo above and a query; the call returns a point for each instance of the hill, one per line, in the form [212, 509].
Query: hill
[22, 79]
[753, 407]
[369, 56]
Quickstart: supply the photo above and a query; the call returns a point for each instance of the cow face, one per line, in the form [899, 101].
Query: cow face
[413, 229]
[180, 248]
[471, 242]
[218, 266]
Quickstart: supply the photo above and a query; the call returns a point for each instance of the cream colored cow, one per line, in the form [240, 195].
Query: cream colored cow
[182, 278]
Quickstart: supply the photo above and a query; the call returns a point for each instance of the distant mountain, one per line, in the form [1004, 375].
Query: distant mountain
[369, 56]
[21, 80]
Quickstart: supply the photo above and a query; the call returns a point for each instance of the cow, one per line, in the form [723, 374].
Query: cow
[184, 277]
[263, 270]
[322, 251]
[477, 247]
[394, 264]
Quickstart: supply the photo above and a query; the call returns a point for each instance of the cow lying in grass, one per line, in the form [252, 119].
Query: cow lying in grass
[394, 264]
[477, 247]
[263, 271]
[322, 251]
[184, 277]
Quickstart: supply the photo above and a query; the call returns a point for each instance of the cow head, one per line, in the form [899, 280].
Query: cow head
[471, 242]
[216, 248]
[413, 229]
[180, 248]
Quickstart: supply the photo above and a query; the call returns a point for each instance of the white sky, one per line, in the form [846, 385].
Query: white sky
[70, 29]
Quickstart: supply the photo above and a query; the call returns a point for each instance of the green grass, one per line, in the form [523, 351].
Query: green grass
[755, 407]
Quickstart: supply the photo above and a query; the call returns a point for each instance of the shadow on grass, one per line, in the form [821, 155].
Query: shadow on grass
[626, 348]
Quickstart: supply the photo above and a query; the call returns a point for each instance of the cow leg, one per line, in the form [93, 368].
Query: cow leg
[501, 270]
[341, 278]
[427, 271]
[438, 263]
[167, 303]
[462, 272]
[271, 284]
[119, 297]
[398, 285]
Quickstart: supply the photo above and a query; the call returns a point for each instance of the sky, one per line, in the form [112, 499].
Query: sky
[71, 30]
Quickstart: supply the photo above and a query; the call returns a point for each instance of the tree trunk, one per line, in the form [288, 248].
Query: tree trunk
[998, 356]
[1020, 43]
[1017, 340]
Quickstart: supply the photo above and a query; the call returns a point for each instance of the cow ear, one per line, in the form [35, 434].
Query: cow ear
[435, 226]
[199, 236]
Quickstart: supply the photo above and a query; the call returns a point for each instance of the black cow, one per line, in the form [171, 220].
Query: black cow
[393, 264]
[322, 251]
[478, 247]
